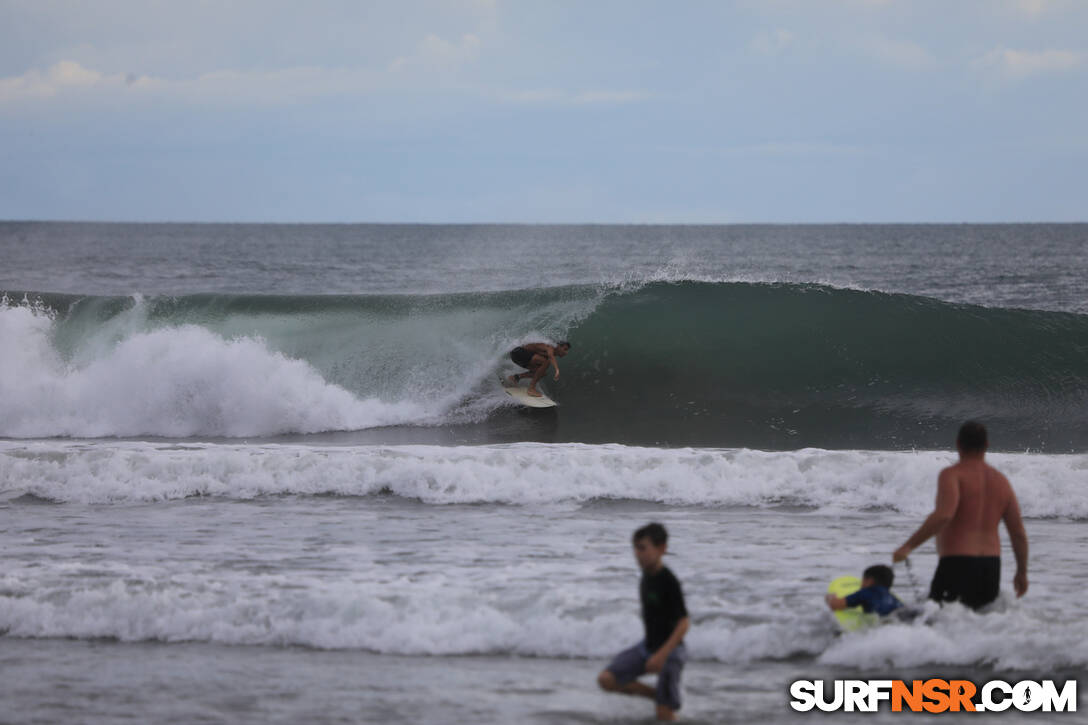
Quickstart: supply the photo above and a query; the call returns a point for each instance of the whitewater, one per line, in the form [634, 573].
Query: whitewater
[263, 473]
[522, 474]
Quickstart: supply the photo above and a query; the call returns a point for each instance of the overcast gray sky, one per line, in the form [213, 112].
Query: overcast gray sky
[503, 111]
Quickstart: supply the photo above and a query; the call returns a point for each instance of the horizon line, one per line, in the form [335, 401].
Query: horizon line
[538, 223]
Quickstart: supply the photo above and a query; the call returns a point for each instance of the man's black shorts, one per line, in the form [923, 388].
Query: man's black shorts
[521, 357]
[971, 580]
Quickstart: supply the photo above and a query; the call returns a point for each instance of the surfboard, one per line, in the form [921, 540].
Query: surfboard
[521, 394]
[852, 618]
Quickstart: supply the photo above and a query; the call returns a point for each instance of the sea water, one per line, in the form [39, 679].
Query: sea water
[261, 473]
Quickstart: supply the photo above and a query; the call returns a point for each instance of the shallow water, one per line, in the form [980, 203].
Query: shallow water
[379, 608]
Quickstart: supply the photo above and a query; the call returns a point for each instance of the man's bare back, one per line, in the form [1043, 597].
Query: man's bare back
[980, 497]
[973, 497]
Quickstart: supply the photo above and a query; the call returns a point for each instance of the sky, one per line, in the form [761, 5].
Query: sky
[611, 111]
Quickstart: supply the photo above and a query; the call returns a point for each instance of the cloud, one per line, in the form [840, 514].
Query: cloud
[1033, 8]
[898, 53]
[279, 86]
[775, 149]
[70, 81]
[435, 53]
[570, 98]
[65, 76]
[1020, 64]
[800, 148]
[228, 87]
[433, 59]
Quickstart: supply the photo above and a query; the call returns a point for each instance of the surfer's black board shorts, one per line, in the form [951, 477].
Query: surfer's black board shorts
[631, 663]
[973, 581]
[521, 357]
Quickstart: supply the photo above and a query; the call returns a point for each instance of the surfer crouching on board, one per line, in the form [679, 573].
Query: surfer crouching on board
[536, 357]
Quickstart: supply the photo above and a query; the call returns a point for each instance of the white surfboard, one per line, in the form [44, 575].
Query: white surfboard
[520, 393]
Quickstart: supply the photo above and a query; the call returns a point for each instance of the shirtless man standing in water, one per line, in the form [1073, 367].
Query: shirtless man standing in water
[536, 357]
[972, 498]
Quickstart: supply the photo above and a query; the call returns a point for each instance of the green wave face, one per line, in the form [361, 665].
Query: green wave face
[786, 366]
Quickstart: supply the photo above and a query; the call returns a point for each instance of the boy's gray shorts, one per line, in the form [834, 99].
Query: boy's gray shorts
[629, 664]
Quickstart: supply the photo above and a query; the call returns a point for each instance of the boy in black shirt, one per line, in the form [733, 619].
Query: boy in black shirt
[666, 621]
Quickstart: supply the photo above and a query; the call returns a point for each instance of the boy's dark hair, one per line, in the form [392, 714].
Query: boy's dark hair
[881, 574]
[563, 343]
[972, 437]
[654, 532]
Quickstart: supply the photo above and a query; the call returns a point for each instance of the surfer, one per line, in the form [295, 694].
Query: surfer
[536, 357]
[972, 498]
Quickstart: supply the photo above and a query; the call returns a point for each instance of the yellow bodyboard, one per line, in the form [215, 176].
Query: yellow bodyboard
[850, 619]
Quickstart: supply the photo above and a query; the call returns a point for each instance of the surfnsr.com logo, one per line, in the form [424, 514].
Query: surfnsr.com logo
[933, 695]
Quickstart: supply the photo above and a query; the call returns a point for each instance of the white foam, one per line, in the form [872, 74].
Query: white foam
[679, 271]
[436, 615]
[1019, 637]
[450, 616]
[523, 473]
[175, 382]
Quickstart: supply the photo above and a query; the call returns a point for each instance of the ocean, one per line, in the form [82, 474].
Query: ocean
[265, 473]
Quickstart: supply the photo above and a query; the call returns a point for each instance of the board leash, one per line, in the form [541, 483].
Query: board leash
[913, 581]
